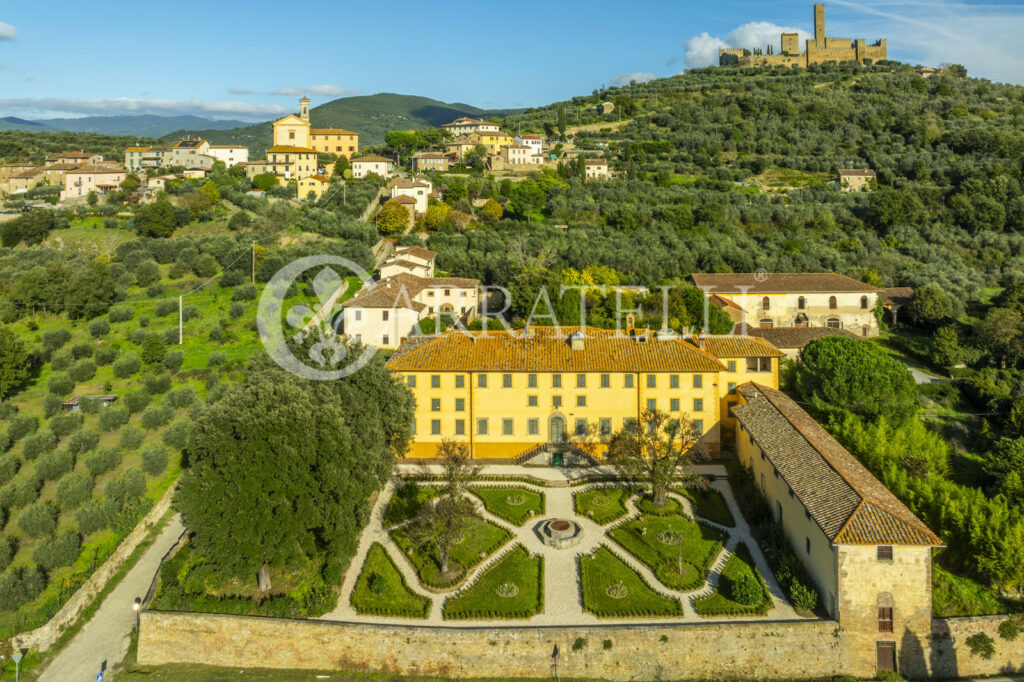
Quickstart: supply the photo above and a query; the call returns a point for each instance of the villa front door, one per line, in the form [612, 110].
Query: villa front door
[557, 434]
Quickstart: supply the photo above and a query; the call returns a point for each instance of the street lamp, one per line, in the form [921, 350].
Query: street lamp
[17, 656]
[136, 606]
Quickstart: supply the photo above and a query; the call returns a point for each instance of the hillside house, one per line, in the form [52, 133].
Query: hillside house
[229, 154]
[425, 161]
[417, 189]
[313, 187]
[856, 179]
[85, 179]
[534, 142]
[379, 165]
[465, 125]
[595, 169]
[792, 340]
[409, 260]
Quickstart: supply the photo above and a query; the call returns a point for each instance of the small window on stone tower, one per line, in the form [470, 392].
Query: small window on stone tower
[885, 552]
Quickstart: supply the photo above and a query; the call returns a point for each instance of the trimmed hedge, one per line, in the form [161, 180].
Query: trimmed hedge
[482, 601]
[603, 568]
[395, 598]
[740, 566]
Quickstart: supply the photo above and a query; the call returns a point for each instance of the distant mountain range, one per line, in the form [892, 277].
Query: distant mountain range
[372, 116]
[144, 125]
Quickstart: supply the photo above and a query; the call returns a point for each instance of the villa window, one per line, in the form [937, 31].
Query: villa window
[833, 323]
[731, 365]
[652, 404]
[606, 427]
[606, 381]
[410, 381]
[460, 404]
[673, 381]
[698, 427]
[698, 404]
[766, 303]
[506, 381]
[832, 303]
[384, 315]
[884, 553]
[385, 340]
[531, 401]
[581, 427]
[581, 401]
[506, 427]
[481, 426]
[435, 404]
[481, 380]
[435, 427]
[556, 381]
[807, 545]
[766, 323]
[732, 387]
[885, 619]
[435, 381]
[460, 381]
[801, 303]
[531, 380]
[460, 427]
[759, 364]
[673, 405]
[698, 381]
[628, 383]
[863, 302]
[533, 426]
[652, 381]
[556, 401]
[581, 381]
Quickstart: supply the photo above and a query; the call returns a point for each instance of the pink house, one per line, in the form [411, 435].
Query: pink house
[90, 178]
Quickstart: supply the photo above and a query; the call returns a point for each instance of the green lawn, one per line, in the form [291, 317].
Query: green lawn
[381, 590]
[670, 508]
[659, 541]
[480, 540]
[515, 505]
[709, 504]
[741, 563]
[512, 588]
[954, 595]
[406, 503]
[611, 589]
[602, 505]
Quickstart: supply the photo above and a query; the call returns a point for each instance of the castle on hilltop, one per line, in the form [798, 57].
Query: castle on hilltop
[820, 49]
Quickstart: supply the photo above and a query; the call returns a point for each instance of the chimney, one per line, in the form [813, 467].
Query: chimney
[576, 341]
[630, 324]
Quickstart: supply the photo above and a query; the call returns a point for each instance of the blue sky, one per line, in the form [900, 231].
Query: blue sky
[226, 59]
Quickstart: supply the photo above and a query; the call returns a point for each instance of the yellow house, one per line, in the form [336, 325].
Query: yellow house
[291, 163]
[509, 393]
[317, 184]
[334, 141]
[494, 140]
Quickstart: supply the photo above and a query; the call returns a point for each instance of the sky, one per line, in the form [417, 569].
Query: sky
[244, 60]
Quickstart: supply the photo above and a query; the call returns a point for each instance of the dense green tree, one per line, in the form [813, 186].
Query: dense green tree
[929, 306]
[14, 362]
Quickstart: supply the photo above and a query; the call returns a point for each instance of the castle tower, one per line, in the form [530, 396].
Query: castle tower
[819, 25]
[304, 109]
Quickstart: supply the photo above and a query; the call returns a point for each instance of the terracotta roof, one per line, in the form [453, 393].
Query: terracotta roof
[401, 199]
[548, 350]
[28, 173]
[430, 155]
[289, 149]
[860, 172]
[189, 144]
[318, 178]
[781, 282]
[63, 166]
[18, 165]
[406, 183]
[796, 337]
[228, 146]
[729, 346]
[94, 170]
[136, 149]
[403, 263]
[417, 251]
[530, 137]
[723, 302]
[383, 297]
[372, 159]
[76, 155]
[462, 121]
[331, 131]
[595, 162]
[849, 504]
[897, 295]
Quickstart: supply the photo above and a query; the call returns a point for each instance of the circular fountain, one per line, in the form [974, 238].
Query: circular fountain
[560, 533]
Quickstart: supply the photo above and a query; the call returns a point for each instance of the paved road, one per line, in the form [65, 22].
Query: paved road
[105, 638]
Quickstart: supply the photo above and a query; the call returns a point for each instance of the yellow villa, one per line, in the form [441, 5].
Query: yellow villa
[494, 140]
[293, 155]
[508, 394]
[314, 185]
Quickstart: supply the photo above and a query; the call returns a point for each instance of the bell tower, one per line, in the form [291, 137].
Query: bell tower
[304, 109]
[819, 25]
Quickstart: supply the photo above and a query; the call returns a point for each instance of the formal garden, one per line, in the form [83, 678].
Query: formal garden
[541, 550]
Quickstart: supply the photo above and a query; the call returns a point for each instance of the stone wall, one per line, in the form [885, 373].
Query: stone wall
[43, 637]
[795, 649]
[951, 657]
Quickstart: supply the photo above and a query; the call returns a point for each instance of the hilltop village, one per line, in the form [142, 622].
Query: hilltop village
[631, 386]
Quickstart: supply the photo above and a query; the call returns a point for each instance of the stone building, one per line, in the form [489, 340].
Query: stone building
[818, 50]
[869, 555]
[795, 299]
[791, 340]
[856, 179]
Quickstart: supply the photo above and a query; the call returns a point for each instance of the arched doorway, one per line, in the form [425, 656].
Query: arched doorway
[557, 429]
[800, 321]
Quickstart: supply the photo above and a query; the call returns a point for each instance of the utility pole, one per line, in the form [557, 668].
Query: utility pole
[181, 320]
[254, 262]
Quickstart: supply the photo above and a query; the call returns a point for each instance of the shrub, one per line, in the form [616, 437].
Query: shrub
[19, 586]
[103, 461]
[981, 645]
[95, 516]
[1010, 628]
[83, 440]
[136, 401]
[82, 350]
[216, 359]
[803, 597]
[236, 310]
[90, 405]
[147, 272]
[131, 437]
[216, 333]
[112, 418]
[139, 336]
[156, 384]
[99, 328]
[746, 590]
[9, 467]
[64, 424]
[58, 551]
[129, 484]
[38, 520]
[156, 416]
[166, 307]
[20, 493]
[5, 442]
[153, 349]
[21, 426]
[127, 366]
[74, 490]
[189, 312]
[181, 397]
[52, 404]
[154, 460]
[176, 435]
[39, 444]
[60, 362]
[580, 644]
[55, 338]
[246, 292]
[174, 358]
[121, 314]
[61, 384]
[155, 289]
[105, 355]
[6, 553]
[53, 465]
[83, 370]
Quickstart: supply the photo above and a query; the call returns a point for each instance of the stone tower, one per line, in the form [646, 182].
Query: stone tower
[819, 25]
[304, 109]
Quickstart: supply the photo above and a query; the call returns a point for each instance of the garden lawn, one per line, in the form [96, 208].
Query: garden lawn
[481, 539]
[381, 590]
[406, 503]
[602, 505]
[515, 505]
[670, 508]
[698, 546]
[512, 588]
[718, 604]
[709, 504]
[604, 570]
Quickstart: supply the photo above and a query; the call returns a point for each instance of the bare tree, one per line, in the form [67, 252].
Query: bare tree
[653, 448]
[441, 524]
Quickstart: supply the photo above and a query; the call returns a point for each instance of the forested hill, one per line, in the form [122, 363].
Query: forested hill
[372, 116]
[729, 169]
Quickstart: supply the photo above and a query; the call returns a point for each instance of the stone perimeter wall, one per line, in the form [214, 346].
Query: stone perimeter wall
[43, 637]
[734, 649]
[951, 657]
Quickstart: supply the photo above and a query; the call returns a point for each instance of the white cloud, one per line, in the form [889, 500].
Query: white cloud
[7, 32]
[627, 78]
[128, 106]
[702, 50]
[240, 91]
[328, 90]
